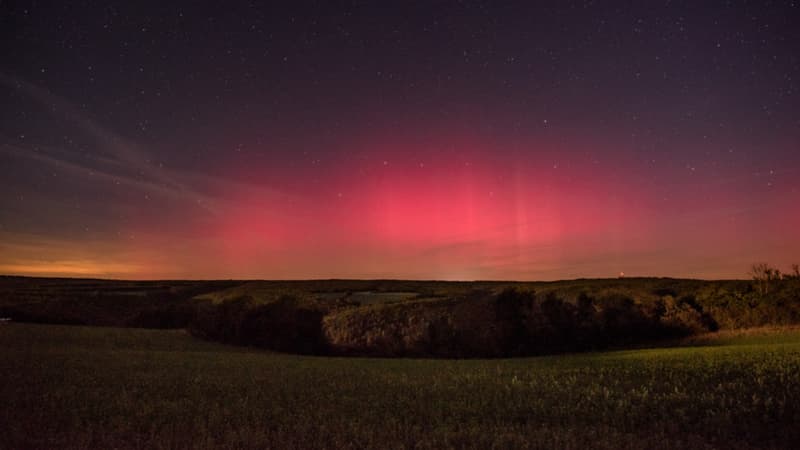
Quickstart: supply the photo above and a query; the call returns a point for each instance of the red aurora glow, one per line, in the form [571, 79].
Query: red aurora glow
[460, 215]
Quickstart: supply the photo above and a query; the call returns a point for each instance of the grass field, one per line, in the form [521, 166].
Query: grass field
[80, 387]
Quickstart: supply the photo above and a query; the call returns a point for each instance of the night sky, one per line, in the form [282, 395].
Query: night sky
[428, 140]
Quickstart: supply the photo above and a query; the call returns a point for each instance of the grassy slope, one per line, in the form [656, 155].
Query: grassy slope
[106, 387]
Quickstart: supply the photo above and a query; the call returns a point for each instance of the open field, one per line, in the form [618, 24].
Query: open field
[81, 387]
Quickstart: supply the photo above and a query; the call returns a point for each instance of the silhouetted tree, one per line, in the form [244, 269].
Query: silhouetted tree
[763, 274]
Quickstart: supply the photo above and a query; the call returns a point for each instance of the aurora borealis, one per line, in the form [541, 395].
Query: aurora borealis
[450, 140]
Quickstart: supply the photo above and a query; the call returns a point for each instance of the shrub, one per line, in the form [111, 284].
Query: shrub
[284, 325]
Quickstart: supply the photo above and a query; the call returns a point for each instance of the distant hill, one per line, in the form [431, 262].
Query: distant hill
[411, 318]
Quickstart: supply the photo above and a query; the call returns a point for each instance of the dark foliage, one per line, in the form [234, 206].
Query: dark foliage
[438, 319]
[147, 304]
[283, 325]
[550, 324]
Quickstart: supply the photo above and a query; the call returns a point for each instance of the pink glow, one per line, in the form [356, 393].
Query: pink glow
[470, 216]
[414, 210]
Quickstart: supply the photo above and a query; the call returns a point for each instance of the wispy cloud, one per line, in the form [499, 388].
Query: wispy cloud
[145, 184]
[122, 160]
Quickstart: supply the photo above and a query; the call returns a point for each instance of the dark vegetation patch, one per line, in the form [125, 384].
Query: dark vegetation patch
[141, 304]
[514, 322]
[285, 325]
[413, 318]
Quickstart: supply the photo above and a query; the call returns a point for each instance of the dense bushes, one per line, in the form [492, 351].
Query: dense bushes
[550, 324]
[482, 319]
[486, 323]
[284, 325]
[750, 305]
[512, 323]
[452, 327]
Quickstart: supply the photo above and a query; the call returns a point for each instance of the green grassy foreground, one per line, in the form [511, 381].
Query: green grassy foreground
[80, 387]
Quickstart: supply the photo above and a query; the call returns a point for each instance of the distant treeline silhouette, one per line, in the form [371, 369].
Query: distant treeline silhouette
[481, 319]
